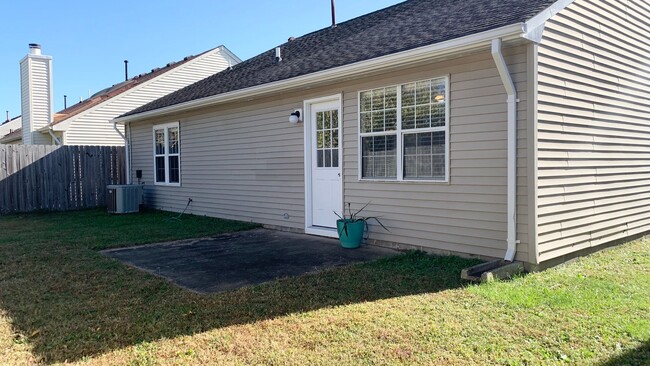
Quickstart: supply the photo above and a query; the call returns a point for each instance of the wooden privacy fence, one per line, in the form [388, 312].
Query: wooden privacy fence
[57, 178]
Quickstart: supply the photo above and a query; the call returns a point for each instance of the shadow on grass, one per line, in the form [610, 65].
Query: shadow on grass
[636, 357]
[68, 301]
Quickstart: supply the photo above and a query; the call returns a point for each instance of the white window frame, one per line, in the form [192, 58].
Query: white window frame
[400, 135]
[165, 127]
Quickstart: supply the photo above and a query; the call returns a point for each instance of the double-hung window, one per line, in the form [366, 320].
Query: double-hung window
[167, 154]
[404, 132]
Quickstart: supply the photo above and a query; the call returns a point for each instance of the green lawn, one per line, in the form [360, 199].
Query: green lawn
[62, 301]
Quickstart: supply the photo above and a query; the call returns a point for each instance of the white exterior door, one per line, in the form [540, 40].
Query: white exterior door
[325, 153]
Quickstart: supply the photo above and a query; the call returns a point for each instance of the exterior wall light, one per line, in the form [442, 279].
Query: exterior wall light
[295, 117]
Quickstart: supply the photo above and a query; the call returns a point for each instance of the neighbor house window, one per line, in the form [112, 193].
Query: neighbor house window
[404, 131]
[167, 154]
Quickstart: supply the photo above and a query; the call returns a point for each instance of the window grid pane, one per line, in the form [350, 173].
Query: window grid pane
[173, 140]
[160, 169]
[160, 142]
[379, 156]
[424, 155]
[174, 169]
[423, 104]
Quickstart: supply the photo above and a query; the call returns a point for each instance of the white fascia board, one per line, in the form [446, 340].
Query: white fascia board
[229, 54]
[511, 32]
[534, 28]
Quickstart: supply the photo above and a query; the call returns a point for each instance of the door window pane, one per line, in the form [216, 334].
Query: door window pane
[327, 139]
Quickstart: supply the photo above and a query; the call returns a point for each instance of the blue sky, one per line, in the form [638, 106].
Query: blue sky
[89, 40]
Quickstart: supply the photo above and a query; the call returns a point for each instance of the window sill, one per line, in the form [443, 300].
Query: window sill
[167, 184]
[362, 180]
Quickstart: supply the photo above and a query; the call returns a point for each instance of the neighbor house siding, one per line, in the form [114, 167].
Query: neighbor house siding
[594, 129]
[94, 127]
[245, 161]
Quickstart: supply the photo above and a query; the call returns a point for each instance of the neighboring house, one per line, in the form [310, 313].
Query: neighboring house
[11, 126]
[89, 122]
[511, 128]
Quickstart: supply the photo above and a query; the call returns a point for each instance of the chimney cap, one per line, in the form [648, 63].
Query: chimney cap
[35, 45]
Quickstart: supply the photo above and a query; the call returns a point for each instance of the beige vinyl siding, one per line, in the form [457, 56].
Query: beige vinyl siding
[468, 215]
[593, 126]
[94, 127]
[245, 161]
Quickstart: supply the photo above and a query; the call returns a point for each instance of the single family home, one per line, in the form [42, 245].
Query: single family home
[10, 125]
[89, 121]
[515, 129]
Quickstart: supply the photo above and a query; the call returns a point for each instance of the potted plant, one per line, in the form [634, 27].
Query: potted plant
[351, 227]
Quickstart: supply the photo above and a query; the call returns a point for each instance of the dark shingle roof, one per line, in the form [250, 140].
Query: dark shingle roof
[401, 27]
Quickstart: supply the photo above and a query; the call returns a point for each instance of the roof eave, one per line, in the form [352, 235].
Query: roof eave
[462, 44]
[534, 27]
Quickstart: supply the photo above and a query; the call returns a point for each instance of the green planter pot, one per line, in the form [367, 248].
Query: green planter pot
[353, 236]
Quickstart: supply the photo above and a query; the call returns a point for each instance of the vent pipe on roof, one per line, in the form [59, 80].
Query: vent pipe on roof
[278, 54]
[126, 70]
[333, 14]
[34, 49]
[65, 101]
[7, 116]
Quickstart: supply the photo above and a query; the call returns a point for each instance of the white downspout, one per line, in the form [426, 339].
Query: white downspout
[56, 139]
[126, 152]
[506, 78]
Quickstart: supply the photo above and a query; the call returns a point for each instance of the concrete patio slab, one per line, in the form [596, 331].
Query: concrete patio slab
[230, 261]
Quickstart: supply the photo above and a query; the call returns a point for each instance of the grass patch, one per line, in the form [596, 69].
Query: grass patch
[62, 301]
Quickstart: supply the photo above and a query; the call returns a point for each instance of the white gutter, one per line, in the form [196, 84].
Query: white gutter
[514, 31]
[506, 78]
[56, 140]
[126, 152]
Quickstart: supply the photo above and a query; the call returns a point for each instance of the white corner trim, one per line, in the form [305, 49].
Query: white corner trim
[534, 28]
[510, 32]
